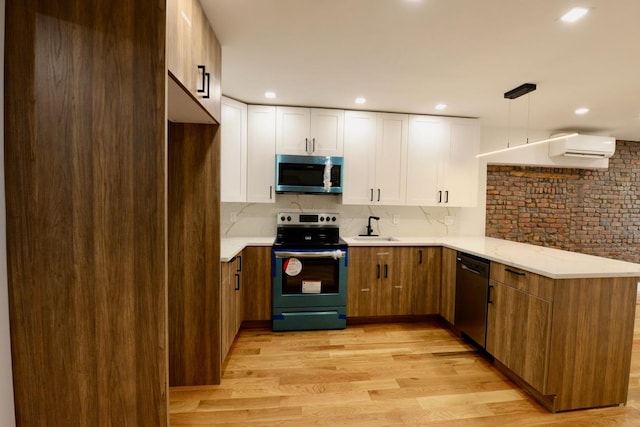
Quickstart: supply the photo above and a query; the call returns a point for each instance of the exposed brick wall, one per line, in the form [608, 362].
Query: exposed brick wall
[590, 211]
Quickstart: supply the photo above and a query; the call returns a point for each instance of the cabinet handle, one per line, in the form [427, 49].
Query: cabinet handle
[420, 253]
[313, 148]
[386, 271]
[371, 198]
[378, 194]
[239, 269]
[364, 290]
[237, 282]
[446, 196]
[271, 192]
[440, 196]
[306, 145]
[203, 69]
[489, 296]
[517, 273]
[377, 271]
[207, 85]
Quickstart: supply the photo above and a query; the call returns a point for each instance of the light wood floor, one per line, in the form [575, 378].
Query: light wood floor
[405, 374]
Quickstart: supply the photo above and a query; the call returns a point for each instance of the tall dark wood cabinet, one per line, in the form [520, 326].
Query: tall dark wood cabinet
[85, 156]
[194, 254]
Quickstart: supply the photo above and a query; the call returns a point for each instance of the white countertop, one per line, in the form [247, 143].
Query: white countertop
[553, 263]
[230, 247]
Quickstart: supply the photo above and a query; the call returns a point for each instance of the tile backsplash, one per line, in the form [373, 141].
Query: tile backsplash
[259, 219]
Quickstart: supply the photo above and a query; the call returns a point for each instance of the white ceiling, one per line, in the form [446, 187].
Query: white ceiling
[409, 55]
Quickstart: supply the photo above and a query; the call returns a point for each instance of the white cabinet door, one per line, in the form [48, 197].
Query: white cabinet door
[391, 159]
[292, 130]
[360, 129]
[233, 164]
[261, 153]
[428, 147]
[461, 173]
[313, 131]
[327, 132]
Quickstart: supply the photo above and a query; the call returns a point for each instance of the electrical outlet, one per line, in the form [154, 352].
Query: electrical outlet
[448, 220]
[396, 219]
[233, 217]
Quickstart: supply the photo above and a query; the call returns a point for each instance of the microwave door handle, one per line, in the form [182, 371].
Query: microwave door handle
[311, 254]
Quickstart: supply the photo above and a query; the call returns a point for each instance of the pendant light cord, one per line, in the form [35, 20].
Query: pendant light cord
[528, 114]
[509, 126]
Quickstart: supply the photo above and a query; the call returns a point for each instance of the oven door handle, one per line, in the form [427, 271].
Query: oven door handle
[311, 254]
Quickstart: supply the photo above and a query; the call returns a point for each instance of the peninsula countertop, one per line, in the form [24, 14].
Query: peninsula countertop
[549, 262]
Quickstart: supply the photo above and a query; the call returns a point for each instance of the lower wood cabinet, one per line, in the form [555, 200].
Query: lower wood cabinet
[365, 291]
[448, 285]
[518, 332]
[256, 280]
[392, 281]
[424, 264]
[568, 342]
[232, 303]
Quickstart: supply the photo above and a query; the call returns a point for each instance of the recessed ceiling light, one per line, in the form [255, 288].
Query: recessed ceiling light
[269, 94]
[360, 100]
[582, 110]
[441, 106]
[574, 14]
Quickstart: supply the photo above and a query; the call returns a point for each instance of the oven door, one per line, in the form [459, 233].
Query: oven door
[309, 278]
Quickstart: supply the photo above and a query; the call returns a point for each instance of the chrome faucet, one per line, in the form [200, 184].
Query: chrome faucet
[369, 227]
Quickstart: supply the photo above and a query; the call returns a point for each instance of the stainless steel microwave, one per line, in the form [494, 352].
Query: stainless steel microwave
[308, 174]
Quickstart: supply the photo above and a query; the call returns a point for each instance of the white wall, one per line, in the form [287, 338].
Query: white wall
[7, 411]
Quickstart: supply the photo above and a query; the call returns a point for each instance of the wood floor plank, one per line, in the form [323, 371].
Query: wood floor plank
[405, 374]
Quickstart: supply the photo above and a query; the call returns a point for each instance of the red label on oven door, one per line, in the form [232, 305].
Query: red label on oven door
[292, 266]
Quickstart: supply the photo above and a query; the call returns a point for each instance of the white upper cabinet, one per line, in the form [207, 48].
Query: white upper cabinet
[391, 159]
[428, 143]
[360, 129]
[442, 168]
[461, 174]
[312, 131]
[375, 150]
[233, 151]
[261, 154]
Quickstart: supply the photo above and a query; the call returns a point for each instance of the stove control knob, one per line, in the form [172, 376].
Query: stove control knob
[282, 218]
[321, 218]
[334, 219]
[289, 218]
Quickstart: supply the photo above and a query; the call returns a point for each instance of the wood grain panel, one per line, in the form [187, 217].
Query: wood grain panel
[402, 281]
[236, 275]
[363, 283]
[591, 348]
[518, 332]
[426, 276]
[192, 42]
[448, 285]
[256, 280]
[227, 310]
[194, 254]
[85, 170]
[523, 280]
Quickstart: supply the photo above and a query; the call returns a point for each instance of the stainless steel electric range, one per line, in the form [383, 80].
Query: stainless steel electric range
[309, 272]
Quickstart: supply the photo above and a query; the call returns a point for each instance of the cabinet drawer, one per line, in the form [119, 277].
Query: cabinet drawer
[523, 280]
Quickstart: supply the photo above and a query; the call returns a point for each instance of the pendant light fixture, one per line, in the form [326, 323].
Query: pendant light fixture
[517, 92]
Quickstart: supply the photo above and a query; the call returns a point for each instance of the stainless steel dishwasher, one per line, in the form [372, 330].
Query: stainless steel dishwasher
[472, 294]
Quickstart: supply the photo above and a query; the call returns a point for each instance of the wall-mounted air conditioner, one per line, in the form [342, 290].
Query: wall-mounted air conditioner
[585, 146]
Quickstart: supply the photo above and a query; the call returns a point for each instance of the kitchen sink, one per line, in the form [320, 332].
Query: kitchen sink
[375, 239]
